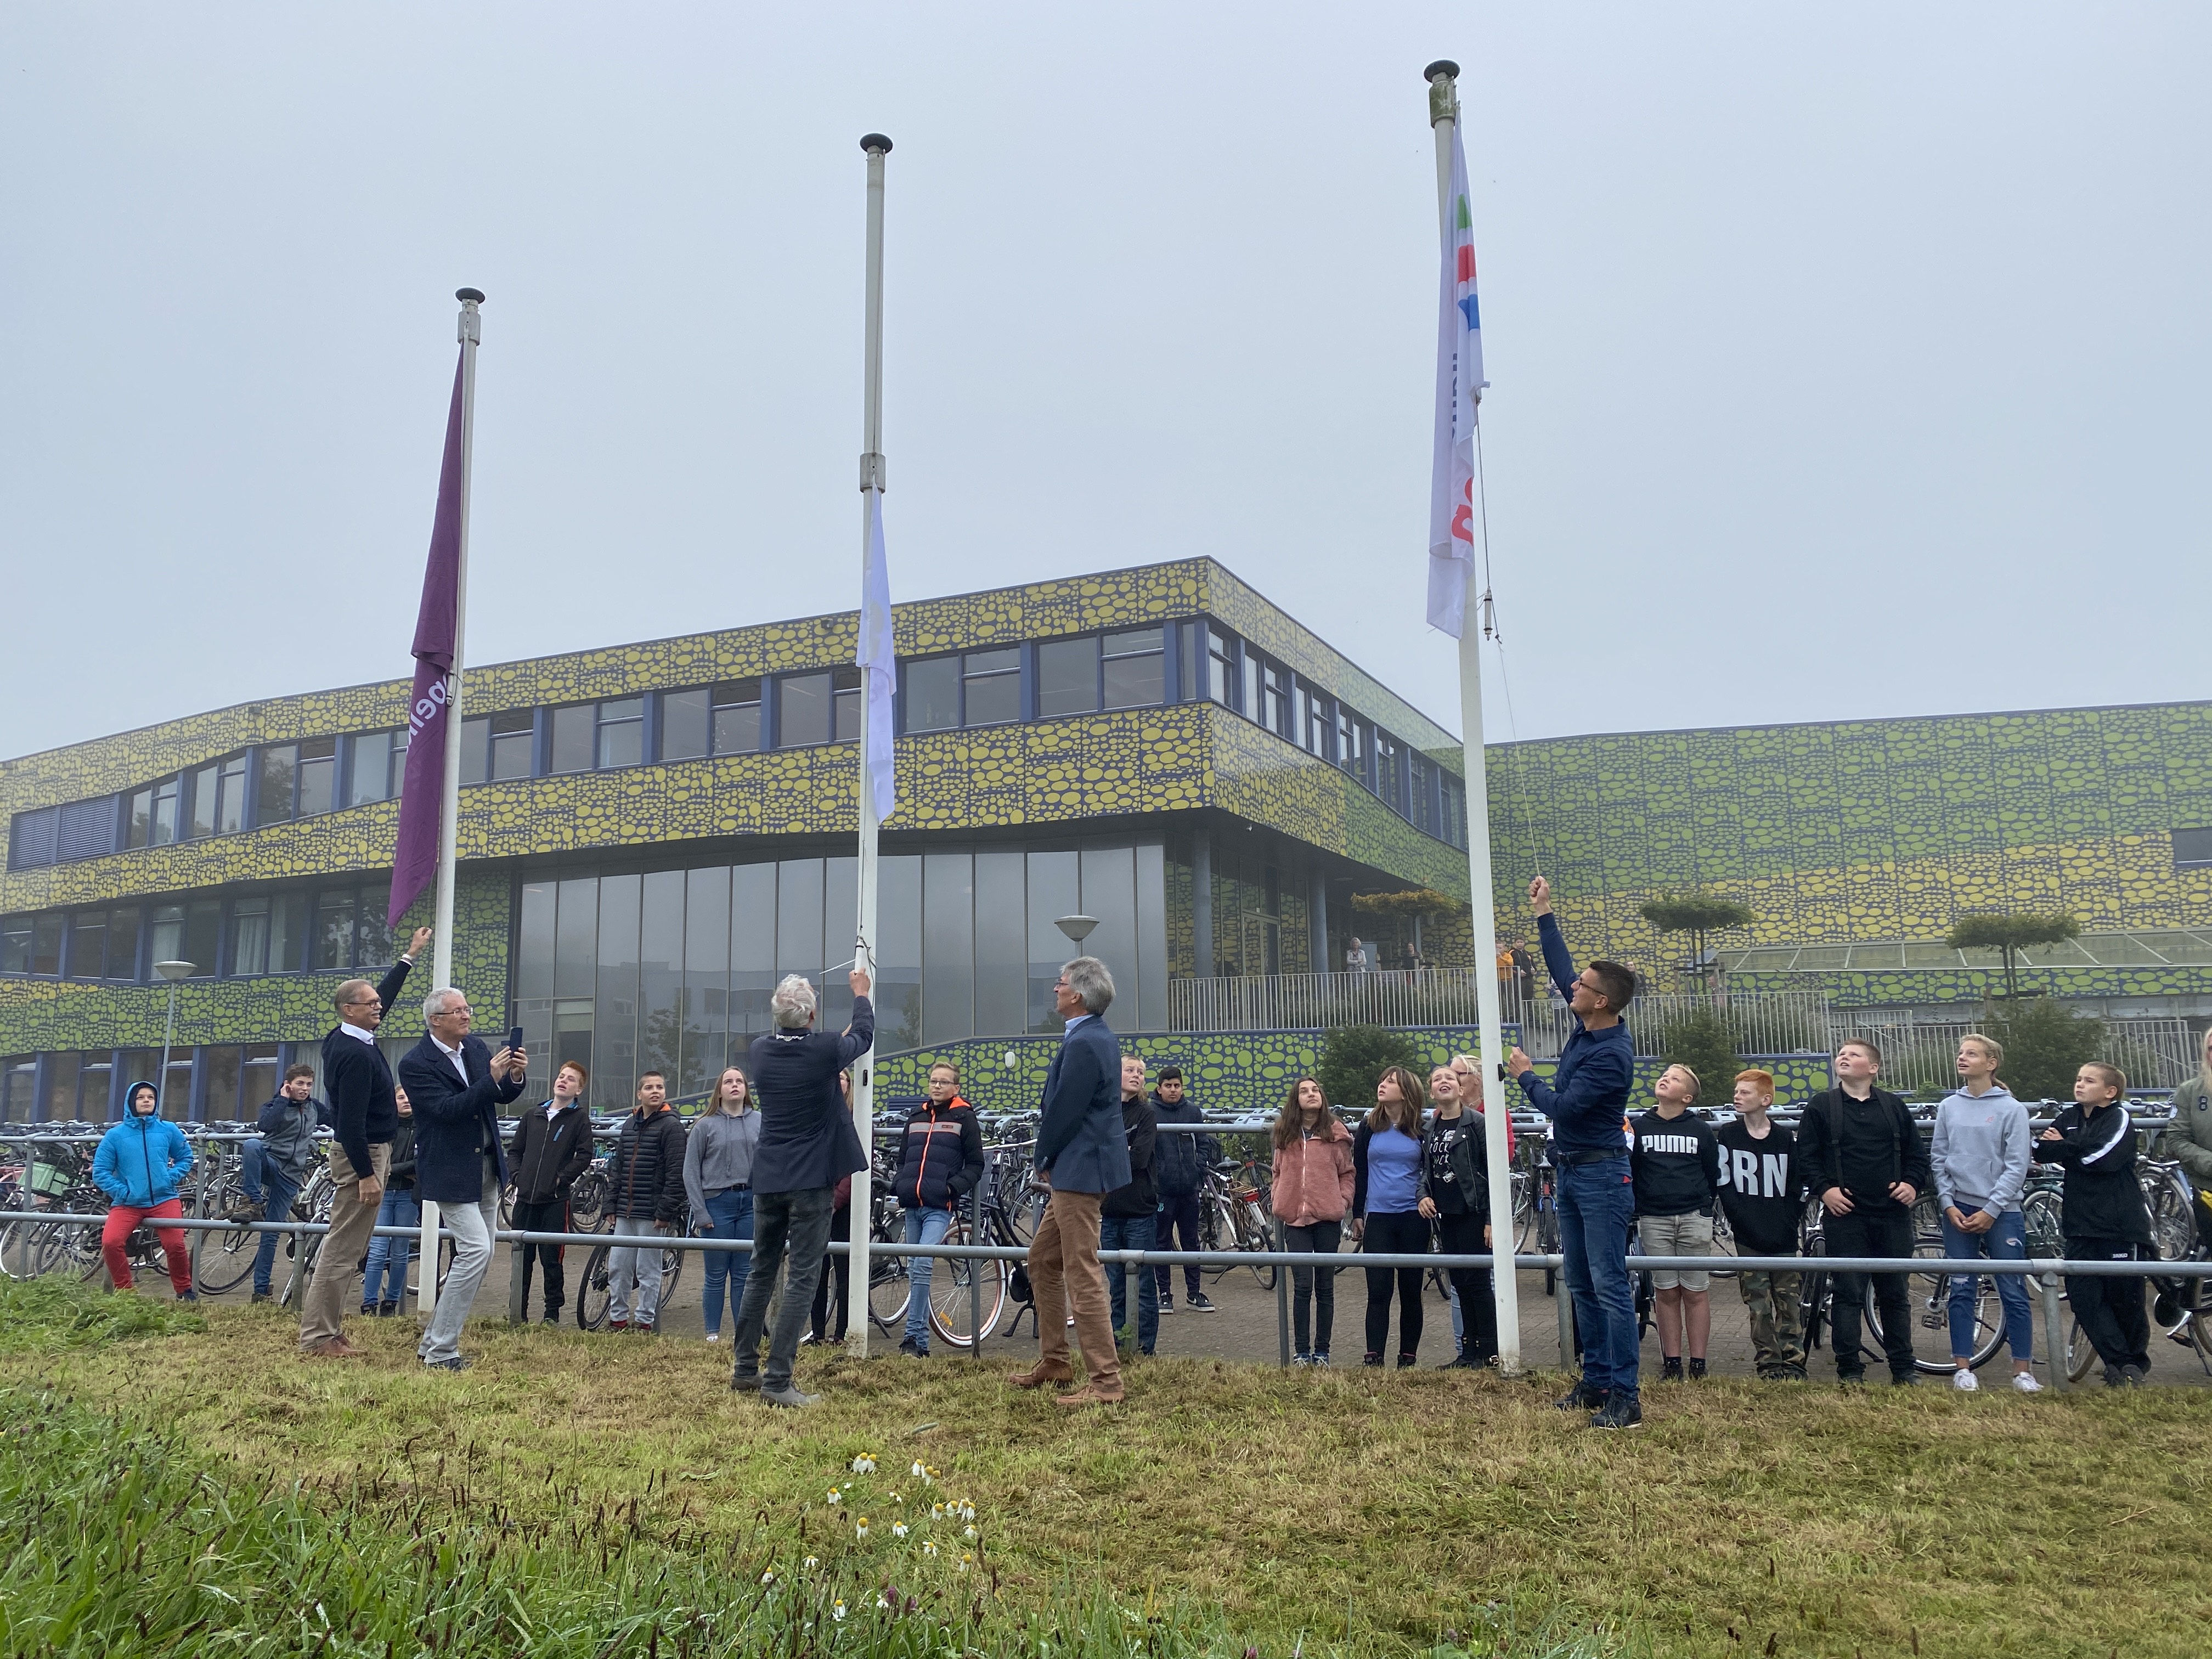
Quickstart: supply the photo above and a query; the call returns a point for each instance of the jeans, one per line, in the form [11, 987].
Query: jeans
[1474, 1305]
[1315, 1285]
[1131, 1232]
[729, 1215]
[1400, 1233]
[388, 1257]
[547, 1216]
[276, 1195]
[251, 1171]
[793, 1225]
[634, 1267]
[1596, 1204]
[472, 1226]
[922, 1227]
[1178, 1213]
[2005, 1242]
[2111, 1310]
[1887, 1232]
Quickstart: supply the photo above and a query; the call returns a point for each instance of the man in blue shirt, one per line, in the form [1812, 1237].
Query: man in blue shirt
[1587, 1101]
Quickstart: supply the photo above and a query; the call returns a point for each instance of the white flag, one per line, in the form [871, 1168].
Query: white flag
[879, 661]
[1458, 394]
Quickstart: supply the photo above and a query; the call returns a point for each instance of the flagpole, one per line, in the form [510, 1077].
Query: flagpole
[471, 333]
[1443, 77]
[864, 946]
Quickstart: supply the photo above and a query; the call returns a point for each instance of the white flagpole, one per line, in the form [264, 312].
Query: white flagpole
[864, 946]
[449, 796]
[1443, 77]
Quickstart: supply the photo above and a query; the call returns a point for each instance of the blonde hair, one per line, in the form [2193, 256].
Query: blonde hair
[1696, 1083]
[1988, 1045]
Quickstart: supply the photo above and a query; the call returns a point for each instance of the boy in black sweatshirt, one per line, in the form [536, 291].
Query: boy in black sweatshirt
[1763, 1195]
[2104, 1218]
[1675, 1164]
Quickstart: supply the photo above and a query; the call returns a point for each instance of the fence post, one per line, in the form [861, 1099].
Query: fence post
[2054, 1335]
[1567, 1307]
[209, 1177]
[518, 1293]
[974, 1272]
[1282, 1302]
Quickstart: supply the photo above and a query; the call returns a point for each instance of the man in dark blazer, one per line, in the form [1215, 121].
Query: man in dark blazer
[458, 1085]
[365, 1118]
[1082, 1152]
[807, 1145]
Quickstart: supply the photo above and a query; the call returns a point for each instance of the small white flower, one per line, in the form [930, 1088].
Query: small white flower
[898, 1529]
[885, 1603]
[928, 1548]
[861, 1529]
[967, 1560]
[928, 1476]
[937, 1511]
[864, 1464]
[970, 1534]
[834, 1495]
[895, 1498]
[837, 1611]
[812, 1562]
[769, 1577]
[917, 1471]
[966, 1511]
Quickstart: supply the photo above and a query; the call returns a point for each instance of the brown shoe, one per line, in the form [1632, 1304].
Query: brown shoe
[335, 1348]
[1089, 1395]
[1043, 1372]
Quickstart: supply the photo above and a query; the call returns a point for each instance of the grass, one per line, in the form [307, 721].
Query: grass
[610, 1483]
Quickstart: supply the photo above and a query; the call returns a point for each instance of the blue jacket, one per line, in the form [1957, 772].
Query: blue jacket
[142, 1161]
[1081, 1142]
[806, 1137]
[1587, 1098]
[454, 1126]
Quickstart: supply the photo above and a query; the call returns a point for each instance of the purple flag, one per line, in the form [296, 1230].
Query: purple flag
[414, 861]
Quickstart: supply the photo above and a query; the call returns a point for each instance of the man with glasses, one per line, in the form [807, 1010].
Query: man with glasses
[365, 1117]
[458, 1085]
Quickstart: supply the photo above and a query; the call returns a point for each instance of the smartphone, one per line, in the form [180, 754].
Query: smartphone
[514, 1039]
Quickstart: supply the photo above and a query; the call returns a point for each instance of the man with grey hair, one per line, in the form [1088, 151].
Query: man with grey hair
[1082, 1152]
[365, 1117]
[457, 1086]
[807, 1144]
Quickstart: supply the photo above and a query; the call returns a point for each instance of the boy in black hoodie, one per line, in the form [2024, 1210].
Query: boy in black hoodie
[2104, 1218]
[1125, 1215]
[1675, 1164]
[1763, 1195]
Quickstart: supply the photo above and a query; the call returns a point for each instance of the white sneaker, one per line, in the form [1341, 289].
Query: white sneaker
[1964, 1381]
[713, 1336]
[2026, 1382]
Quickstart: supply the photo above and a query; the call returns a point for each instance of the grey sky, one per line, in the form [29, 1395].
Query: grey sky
[1843, 363]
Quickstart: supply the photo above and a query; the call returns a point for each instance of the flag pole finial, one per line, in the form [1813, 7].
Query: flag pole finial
[875, 143]
[1443, 77]
[472, 296]
[1443, 66]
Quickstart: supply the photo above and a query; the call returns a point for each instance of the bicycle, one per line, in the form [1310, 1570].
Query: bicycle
[594, 1288]
[1232, 1214]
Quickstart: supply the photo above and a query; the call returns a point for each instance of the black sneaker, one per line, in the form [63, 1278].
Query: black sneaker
[1851, 1379]
[1697, 1369]
[260, 1295]
[2136, 1376]
[387, 1310]
[913, 1350]
[458, 1362]
[1464, 1360]
[188, 1296]
[1583, 1399]
[1670, 1370]
[1620, 1411]
[1167, 1306]
[1905, 1379]
[744, 1381]
[1200, 1304]
[1373, 1359]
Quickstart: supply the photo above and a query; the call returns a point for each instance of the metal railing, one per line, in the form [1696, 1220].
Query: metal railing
[1919, 1047]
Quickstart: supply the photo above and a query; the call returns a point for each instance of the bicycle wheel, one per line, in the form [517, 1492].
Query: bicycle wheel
[953, 1285]
[2172, 1228]
[588, 1202]
[1252, 1235]
[1524, 1213]
[1215, 1232]
[19, 1253]
[2081, 1353]
[671, 1269]
[593, 1292]
[1931, 1296]
[888, 1285]
[227, 1257]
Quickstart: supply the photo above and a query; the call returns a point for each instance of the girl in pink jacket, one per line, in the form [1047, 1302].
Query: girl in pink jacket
[1309, 1193]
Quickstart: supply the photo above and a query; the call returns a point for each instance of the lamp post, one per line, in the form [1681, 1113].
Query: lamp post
[1077, 927]
[172, 972]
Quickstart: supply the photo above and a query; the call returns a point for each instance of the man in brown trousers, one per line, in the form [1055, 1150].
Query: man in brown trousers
[1082, 1152]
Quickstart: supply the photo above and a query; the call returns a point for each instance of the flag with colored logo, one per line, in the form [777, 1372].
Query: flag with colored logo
[415, 861]
[1459, 393]
[879, 661]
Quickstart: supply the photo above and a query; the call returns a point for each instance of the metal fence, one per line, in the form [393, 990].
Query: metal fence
[1919, 1047]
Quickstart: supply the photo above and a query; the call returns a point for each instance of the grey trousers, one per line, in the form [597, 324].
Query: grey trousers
[473, 1227]
[786, 1226]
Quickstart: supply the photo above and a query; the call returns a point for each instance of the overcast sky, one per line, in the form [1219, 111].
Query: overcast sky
[1845, 362]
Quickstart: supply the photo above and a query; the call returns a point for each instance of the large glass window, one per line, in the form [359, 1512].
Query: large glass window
[279, 779]
[614, 1074]
[218, 798]
[223, 1071]
[1001, 943]
[1275, 699]
[1249, 702]
[575, 737]
[46, 943]
[1314, 724]
[948, 945]
[15, 945]
[684, 725]
[513, 741]
[802, 710]
[1351, 742]
[61, 1072]
[188, 932]
[379, 758]
[737, 717]
[1387, 782]
[752, 949]
[846, 684]
[123, 924]
[267, 933]
[1220, 666]
[622, 732]
[991, 686]
[661, 964]
[151, 817]
[19, 1088]
[1135, 668]
[1067, 676]
[333, 934]
[476, 748]
[706, 978]
[898, 949]
[87, 944]
[932, 694]
[319, 775]
[1056, 885]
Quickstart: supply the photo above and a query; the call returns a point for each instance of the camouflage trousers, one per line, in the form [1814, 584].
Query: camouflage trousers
[1777, 1320]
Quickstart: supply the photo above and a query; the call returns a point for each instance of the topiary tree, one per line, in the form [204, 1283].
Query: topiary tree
[2045, 1043]
[2009, 935]
[1702, 1042]
[1353, 1056]
[1697, 914]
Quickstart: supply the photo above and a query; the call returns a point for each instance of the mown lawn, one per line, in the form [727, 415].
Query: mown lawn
[1348, 1511]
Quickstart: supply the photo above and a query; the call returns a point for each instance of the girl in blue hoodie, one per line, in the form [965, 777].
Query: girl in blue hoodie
[140, 1163]
[1980, 1155]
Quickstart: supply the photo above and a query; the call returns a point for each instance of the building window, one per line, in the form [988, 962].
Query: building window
[1067, 678]
[1220, 667]
[1314, 723]
[268, 933]
[15, 945]
[622, 732]
[1248, 706]
[2192, 848]
[1135, 668]
[1351, 742]
[684, 725]
[318, 776]
[298, 781]
[498, 747]
[88, 947]
[932, 694]
[47, 944]
[1387, 782]
[991, 687]
[280, 763]
[575, 737]
[1275, 699]
[151, 820]
[736, 708]
[379, 765]
[31, 838]
[217, 806]
[816, 709]
[88, 829]
[188, 932]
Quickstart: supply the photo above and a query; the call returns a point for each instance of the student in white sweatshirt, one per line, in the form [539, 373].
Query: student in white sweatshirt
[1980, 1153]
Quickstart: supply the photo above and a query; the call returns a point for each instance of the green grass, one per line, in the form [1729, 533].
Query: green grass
[574, 1493]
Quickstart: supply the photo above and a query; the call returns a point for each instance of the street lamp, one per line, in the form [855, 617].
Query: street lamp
[171, 971]
[1077, 927]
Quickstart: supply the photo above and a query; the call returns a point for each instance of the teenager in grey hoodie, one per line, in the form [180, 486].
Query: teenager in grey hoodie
[1980, 1154]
